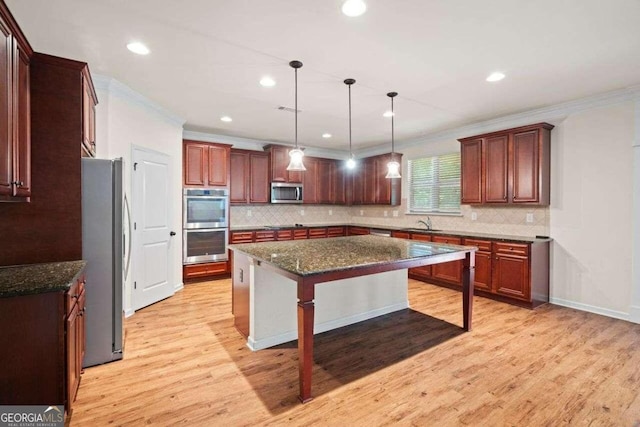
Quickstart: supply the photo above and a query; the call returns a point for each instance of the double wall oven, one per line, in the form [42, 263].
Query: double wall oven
[205, 214]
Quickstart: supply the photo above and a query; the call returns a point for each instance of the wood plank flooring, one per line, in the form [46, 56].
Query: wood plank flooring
[184, 363]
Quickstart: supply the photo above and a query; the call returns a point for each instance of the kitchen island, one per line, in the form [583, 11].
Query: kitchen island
[266, 275]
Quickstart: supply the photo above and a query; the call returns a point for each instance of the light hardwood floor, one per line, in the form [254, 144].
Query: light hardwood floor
[186, 364]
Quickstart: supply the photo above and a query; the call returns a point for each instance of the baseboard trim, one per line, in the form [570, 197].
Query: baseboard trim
[129, 312]
[261, 344]
[178, 287]
[634, 315]
[592, 309]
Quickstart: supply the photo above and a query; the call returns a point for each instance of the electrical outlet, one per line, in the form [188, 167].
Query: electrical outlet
[386, 213]
[361, 212]
[301, 212]
[395, 214]
[529, 217]
[474, 216]
[249, 212]
[330, 212]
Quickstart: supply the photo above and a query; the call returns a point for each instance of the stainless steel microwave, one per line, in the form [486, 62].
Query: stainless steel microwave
[285, 192]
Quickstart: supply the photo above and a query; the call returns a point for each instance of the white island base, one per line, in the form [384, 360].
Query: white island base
[273, 301]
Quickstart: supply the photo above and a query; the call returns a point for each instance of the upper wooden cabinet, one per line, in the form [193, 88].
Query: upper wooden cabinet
[249, 177]
[310, 181]
[279, 162]
[15, 110]
[369, 185]
[507, 167]
[205, 164]
[89, 101]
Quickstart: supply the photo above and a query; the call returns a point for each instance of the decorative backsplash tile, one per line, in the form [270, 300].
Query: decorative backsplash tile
[494, 220]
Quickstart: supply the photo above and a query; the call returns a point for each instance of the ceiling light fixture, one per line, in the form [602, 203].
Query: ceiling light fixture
[326, 135]
[495, 77]
[139, 48]
[226, 119]
[393, 167]
[354, 8]
[295, 164]
[351, 163]
[388, 114]
[267, 81]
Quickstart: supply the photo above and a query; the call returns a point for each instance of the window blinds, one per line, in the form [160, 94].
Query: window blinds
[434, 184]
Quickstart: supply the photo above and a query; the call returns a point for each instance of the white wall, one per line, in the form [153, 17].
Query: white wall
[125, 119]
[591, 210]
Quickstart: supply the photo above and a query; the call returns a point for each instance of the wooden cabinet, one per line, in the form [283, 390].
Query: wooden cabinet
[369, 185]
[370, 181]
[339, 183]
[249, 177]
[449, 272]
[400, 234]
[15, 111]
[89, 101]
[282, 235]
[511, 270]
[357, 231]
[337, 231]
[507, 167]
[325, 177]
[317, 232]
[43, 344]
[241, 237]
[483, 263]
[198, 271]
[279, 162]
[300, 234]
[424, 272]
[205, 164]
[310, 181]
[264, 236]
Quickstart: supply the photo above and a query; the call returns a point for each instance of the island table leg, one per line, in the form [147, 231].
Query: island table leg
[468, 277]
[305, 338]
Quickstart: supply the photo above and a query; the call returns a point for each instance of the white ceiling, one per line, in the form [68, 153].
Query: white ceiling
[207, 57]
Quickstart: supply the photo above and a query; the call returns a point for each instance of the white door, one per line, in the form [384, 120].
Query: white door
[151, 197]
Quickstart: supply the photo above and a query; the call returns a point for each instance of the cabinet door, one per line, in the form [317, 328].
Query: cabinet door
[422, 273]
[279, 162]
[450, 272]
[369, 181]
[383, 185]
[73, 369]
[81, 338]
[218, 158]
[526, 167]
[324, 183]
[511, 276]
[22, 152]
[356, 176]
[259, 178]
[471, 171]
[239, 178]
[310, 181]
[6, 116]
[88, 118]
[339, 196]
[496, 150]
[483, 263]
[195, 164]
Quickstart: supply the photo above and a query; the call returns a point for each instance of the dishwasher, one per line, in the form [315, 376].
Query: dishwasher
[380, 232]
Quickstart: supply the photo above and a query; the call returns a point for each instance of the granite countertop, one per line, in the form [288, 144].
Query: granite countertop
[29, 279]
[315, 256]
[472, 234]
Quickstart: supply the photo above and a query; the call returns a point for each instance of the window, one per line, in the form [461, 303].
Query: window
[434, 184]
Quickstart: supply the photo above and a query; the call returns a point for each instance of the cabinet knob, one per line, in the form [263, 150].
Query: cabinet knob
[18, 183]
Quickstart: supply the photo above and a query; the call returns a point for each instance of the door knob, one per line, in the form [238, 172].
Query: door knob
[173, 233]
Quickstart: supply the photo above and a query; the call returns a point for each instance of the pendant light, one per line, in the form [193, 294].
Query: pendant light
[351, 163]
[393, 167]
[295, 164]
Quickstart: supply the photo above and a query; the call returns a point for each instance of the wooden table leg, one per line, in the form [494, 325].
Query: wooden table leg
[468, 277]
[305, 338]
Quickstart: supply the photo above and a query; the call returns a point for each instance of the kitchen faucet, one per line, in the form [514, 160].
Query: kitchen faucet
[426, 224]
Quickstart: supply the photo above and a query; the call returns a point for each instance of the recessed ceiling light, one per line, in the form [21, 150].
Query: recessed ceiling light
[354, 8]
[388, 114]
[139, 48]
[226, 119]
[326, 135]
[495, 77]
[267, 81]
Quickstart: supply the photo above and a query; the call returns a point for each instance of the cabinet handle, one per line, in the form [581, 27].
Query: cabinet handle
[18, 183]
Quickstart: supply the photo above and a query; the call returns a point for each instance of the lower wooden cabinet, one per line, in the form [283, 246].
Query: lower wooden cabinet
[43, 345]
[449, 272]
[421, 273]
[511, 270]
[198, 271]
[483, 263]
[357, 231]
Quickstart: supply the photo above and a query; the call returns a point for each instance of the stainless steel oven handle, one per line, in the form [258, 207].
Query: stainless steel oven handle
[297, 193]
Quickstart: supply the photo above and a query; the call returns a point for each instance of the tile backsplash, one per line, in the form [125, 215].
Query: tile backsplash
[494, 220]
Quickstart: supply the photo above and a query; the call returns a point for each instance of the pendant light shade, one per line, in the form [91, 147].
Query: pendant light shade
[351, 163]
[295, 163]
[393, 167]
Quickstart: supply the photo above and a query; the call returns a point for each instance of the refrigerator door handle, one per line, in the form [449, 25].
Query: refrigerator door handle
[126, 266]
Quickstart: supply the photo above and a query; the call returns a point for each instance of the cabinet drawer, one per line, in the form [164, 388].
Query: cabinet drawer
[335, 231]
[284, 235]
[356, 231]
[483, 245]
[265, 236]
[422, 237]
[74, 293]
[203, 270]
[241, 237]
[299, 233]
[317, 233]
[400, 234]
[447, 239]
[511, 248]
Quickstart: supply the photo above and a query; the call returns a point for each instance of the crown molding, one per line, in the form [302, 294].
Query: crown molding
[119, 89]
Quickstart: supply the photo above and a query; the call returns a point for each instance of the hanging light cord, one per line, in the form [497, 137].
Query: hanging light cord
[350, 152]
[296, 105]
[392, 145]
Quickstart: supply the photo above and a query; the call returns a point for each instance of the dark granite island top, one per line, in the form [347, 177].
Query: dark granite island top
[38, 278]
[312, 262]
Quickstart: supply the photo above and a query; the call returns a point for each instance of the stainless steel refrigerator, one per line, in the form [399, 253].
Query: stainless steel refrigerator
[103, 247]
